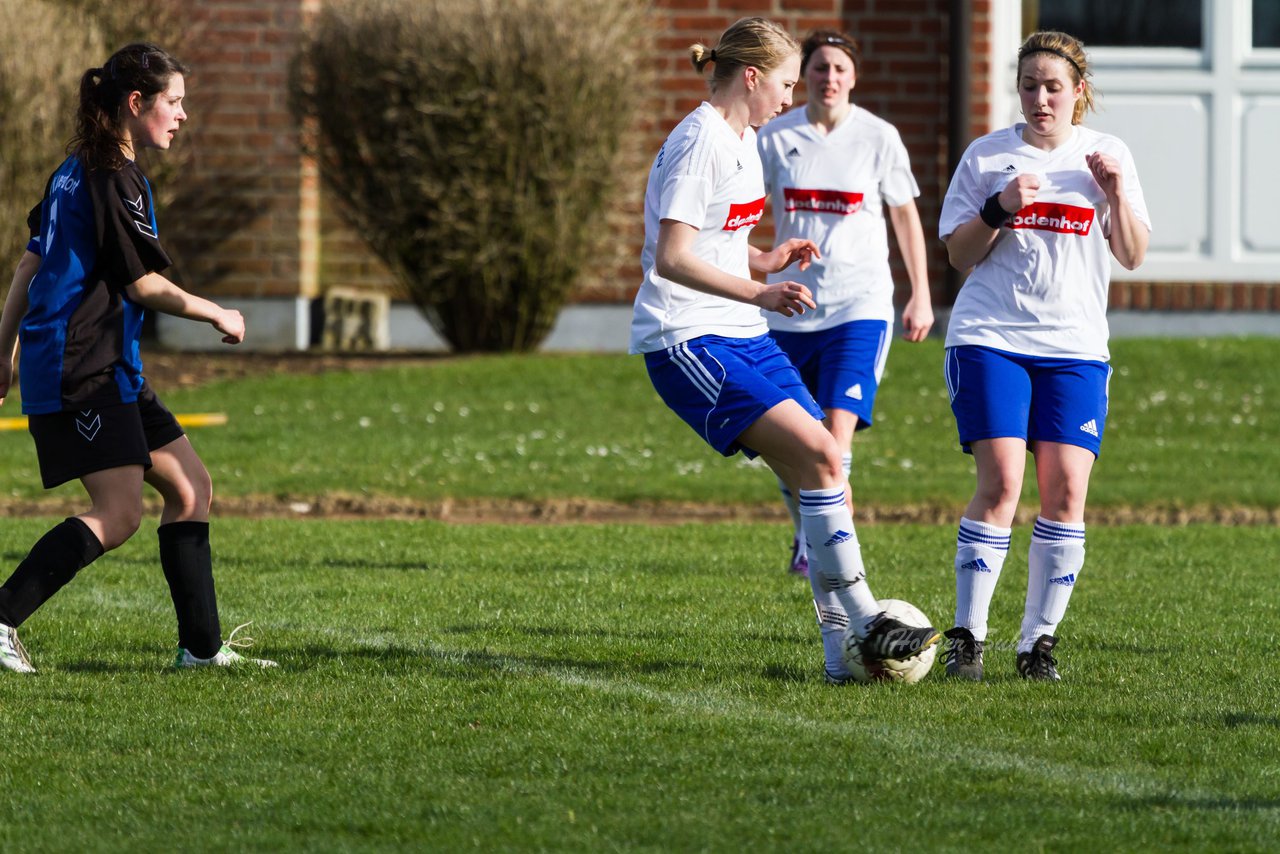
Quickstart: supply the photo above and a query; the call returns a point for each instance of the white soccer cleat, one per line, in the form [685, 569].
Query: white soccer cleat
[224, 657]
[12, 655]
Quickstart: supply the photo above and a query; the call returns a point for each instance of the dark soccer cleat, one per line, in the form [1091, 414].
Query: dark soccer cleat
[799, 564]
[888, 638]
[963, 655]
[1039, 664]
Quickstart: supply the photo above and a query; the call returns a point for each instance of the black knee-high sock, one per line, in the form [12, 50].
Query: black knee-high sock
[188, 567]
[53, 561]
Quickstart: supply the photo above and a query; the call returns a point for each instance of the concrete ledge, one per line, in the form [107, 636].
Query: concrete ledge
[276, 325]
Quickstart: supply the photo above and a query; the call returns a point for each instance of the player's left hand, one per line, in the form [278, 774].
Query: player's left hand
[6, 378]
[231, 324]
[787, 253]
[917, 319]
[1106, 171]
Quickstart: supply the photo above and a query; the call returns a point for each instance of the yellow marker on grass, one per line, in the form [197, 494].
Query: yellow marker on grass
[190, 419]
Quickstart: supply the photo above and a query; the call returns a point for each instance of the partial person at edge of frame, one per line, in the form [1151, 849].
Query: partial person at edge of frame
[1037, 211]
[833, 171]
[93, 263]
[698, 322]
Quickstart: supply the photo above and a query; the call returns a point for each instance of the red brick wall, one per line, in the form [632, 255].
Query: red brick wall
[298, 244]
[238, 102]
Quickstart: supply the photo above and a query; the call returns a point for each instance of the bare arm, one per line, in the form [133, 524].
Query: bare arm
[971, 242]
[157, 293]
[917, 314]
[1129, 236]
[675, 260]
[15, 307]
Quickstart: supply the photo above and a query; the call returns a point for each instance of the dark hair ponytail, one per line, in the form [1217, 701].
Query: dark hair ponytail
[140, 67]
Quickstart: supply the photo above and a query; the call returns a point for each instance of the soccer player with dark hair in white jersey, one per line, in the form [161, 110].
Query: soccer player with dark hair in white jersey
[93, 263]
[698, 319]
[835, 172]
[1036, 212]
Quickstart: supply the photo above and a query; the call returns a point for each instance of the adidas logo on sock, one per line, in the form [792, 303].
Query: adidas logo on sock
[1090, 427]
[794, 152]
[978, 565]
[837, 538]
[1067, 580]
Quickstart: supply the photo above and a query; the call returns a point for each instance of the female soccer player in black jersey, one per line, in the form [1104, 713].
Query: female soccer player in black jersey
[93, 264]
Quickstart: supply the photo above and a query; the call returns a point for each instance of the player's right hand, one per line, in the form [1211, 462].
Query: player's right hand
[786, 298]
[1019, 192]
[6, 379]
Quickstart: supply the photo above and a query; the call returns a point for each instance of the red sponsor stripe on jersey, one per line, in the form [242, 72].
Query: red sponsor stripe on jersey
[822, 201]
[1050, 216]
[744, 215]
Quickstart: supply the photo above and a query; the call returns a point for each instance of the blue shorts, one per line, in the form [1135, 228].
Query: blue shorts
[995, 394]
[721, 386]
[842, 365]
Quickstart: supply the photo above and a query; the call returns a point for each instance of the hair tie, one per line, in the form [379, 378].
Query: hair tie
[1058, 53]
[146, 61]
[711, 57]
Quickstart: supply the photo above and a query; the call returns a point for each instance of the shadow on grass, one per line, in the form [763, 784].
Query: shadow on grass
[1235, 720]
[482, 664]
[1220, 804]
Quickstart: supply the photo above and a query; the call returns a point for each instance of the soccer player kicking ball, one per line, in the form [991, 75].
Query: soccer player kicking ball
[76, 303]
[1034, 210]
[706, 346]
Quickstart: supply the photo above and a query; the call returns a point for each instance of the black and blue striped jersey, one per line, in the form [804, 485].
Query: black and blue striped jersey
[95, 233]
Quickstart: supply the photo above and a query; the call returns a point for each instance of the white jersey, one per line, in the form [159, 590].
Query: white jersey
[832, 189]
[1042, 289]
[708, 177]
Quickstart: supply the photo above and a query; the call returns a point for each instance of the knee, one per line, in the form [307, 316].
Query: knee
[119, 525]
[192, 498]
[1000, 491]
[824, 461]
[1065, 502]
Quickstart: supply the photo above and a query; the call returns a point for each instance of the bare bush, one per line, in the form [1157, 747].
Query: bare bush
[475, 144]
[41, 60]
[39, 94]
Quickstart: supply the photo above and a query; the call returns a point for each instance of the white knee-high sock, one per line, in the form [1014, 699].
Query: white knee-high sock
[846, 462]
[1054, 562]
[833, 623]
[980, 553]
[793, 507]
[835, 556]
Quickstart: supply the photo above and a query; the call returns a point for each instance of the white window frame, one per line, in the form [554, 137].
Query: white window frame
[1229, 73]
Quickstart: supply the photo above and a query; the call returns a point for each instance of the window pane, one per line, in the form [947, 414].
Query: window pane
[1130, 23]
[1266, 23]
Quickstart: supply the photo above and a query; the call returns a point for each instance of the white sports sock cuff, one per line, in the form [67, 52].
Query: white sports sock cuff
[1046, 531]
[822, 502]
[982, 534]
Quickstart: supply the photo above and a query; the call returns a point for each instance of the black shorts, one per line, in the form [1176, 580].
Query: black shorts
[70, 445]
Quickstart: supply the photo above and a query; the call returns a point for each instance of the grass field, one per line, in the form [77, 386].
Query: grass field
[636, 687]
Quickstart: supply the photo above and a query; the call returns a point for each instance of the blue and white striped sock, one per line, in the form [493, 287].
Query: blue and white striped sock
[1054, 561]
[835, 557]
[980, 552]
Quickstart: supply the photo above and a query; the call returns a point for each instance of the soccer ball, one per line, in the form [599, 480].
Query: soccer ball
[891, 670]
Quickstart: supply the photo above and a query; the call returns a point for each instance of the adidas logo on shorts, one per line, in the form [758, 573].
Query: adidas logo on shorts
[1090, 427]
